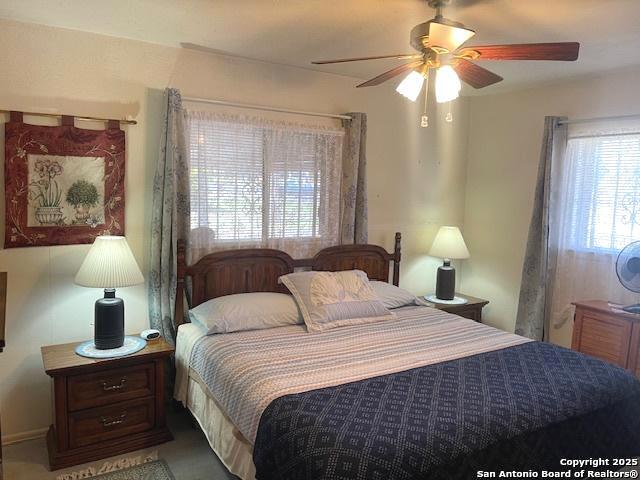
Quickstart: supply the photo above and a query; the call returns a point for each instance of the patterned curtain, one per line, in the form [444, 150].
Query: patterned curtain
[170, 215]
[353, 227]
[541, 254]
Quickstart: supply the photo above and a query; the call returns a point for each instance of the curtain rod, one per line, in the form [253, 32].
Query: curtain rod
[60, 115]
[264, 107]
[599, 119]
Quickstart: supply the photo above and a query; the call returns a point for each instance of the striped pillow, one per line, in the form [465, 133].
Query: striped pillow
[335, 299]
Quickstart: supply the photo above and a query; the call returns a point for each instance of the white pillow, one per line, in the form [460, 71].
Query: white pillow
[394, 297]
[335, 299]
[246, 311]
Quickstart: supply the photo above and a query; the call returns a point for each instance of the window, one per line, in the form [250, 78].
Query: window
[603, 191]
[263, 183]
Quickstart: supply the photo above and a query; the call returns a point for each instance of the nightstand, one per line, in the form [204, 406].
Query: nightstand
[472, 309]
[105, 407]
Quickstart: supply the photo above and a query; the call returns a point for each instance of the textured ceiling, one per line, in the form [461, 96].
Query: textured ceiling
[294, 32]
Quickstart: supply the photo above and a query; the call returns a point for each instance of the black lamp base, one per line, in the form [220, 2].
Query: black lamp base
[446, 281]
[109, 321]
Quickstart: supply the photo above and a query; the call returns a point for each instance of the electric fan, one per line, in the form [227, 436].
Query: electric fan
[628, 270]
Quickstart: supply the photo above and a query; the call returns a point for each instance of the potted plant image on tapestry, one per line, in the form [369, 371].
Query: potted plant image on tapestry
[64, 185]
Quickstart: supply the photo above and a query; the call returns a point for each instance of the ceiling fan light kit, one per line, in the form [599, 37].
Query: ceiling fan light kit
[411, 86]
[447, 84]
[438, 42]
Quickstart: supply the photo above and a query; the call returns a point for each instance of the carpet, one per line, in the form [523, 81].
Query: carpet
[156, 470]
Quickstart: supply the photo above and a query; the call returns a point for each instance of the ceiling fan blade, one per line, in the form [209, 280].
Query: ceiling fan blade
[567, 51]
[475, 75]
[408, 56]
[448, 37]
[391, 73]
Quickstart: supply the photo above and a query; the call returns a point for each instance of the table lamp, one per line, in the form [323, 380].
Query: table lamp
[448, 245]
[109, 265]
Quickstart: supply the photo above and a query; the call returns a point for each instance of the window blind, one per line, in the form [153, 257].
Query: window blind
[226, 179]
[604, 190]
[257, 182]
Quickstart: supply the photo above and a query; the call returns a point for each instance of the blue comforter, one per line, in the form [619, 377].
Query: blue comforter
[523, 407]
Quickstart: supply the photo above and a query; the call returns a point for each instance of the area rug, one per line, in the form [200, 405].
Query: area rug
[156, 470]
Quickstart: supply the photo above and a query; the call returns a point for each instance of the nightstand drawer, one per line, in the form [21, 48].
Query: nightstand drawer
[110, 386]
[471, 314]
[113, 421]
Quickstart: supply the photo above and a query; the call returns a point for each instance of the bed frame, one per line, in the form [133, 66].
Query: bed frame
[258, 269]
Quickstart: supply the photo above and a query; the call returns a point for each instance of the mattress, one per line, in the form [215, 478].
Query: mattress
[428, 394]
[246, 371]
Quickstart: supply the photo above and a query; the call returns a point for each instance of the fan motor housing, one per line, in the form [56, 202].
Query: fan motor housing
[438, 3]
[633, 264]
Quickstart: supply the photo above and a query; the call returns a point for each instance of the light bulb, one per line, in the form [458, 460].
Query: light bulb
[424, 121]
[411, 86]
[447, 84]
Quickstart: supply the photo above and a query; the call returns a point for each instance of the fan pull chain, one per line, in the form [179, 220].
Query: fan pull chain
[424, 120]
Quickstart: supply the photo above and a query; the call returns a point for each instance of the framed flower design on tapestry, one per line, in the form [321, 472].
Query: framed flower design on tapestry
[63, 185]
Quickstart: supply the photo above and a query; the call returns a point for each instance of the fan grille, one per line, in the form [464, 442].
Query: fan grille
[628, 267]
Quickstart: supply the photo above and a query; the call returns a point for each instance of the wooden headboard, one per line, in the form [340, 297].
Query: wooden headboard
[258, 269]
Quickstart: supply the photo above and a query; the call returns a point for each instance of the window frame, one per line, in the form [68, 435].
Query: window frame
[320, 229]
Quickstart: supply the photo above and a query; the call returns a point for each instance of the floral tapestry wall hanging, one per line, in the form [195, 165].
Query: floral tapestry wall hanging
[63, 185]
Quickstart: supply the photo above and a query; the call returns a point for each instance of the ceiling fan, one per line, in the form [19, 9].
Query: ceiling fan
[439, 41]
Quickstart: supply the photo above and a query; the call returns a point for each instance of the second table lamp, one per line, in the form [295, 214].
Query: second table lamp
[448, 245]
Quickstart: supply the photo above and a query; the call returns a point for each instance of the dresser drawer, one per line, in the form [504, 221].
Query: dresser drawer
[604, 337]
[110, 386]
[104, 423]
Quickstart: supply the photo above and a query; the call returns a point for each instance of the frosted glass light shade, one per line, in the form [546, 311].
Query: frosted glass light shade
[447, 84]
[411, 86]
[449, 244]
[109, 264]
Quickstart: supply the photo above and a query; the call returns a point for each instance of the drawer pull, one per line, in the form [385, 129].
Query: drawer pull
[110, 422]
[110, 388]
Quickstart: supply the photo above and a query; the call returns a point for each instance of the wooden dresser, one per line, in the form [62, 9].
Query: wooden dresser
[608, 334]
[105, 407]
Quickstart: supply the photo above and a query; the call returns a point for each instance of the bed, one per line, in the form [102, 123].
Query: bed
[427, 395]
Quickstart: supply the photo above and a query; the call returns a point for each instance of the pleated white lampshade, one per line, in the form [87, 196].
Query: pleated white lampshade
[109, 264]
[449, 244]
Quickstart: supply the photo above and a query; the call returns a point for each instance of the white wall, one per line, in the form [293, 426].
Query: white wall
[416, 176]
[505, 134]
